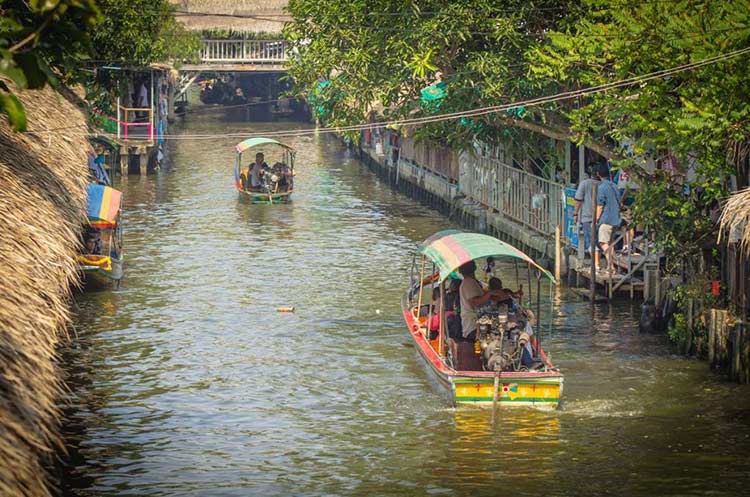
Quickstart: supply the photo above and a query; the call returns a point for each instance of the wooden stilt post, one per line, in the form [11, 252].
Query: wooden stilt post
[558, 252]
[594, 244]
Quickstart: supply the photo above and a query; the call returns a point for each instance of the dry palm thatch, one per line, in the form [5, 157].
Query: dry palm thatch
[42, 199]
[266, 16]
[735, 219]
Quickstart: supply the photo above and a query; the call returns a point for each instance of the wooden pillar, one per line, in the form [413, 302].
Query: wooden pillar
[581, 162]
[170, 102]
[711, 339]
[124, 160]
[736, 340]
[558, 253]
[689, 313]
[143, 163]
[745, 355]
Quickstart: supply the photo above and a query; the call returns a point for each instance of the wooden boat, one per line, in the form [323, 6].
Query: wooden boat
[271, 189]
[101, 262]
[506, 383]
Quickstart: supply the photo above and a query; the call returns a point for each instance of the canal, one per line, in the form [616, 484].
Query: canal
[186, 381]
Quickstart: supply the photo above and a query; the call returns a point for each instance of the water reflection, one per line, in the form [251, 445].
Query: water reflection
[187, 381]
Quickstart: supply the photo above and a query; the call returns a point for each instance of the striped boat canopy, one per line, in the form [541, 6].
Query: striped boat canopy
[103, 205]
[451, 251]
[437, 236]
[254, 142]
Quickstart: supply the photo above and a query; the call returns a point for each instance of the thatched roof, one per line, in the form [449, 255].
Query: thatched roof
[42, 197]
[735, 219]
[266, 16]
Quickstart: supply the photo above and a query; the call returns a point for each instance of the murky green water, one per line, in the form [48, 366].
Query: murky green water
[186, 381]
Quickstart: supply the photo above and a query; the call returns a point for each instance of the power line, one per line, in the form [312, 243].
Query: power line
[481, 111]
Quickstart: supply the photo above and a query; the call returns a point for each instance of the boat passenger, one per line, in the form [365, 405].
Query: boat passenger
[448, 309]
[472, 297]
[282, 171]
[93, 244]
[496, 285]
[255, 172]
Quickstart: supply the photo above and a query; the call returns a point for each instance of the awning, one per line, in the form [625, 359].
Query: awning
[254, 142]
[440, 234]
[103, 205]
[451, 251]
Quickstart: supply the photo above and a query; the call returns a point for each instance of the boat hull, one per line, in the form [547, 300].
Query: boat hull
[265, 198]
[535, 389]
[97, 278]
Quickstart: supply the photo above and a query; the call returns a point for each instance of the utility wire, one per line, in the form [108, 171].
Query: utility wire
[481, 111]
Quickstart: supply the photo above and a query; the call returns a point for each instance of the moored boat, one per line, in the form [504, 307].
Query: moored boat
[502, 360]
[102, 258]
[259, 182]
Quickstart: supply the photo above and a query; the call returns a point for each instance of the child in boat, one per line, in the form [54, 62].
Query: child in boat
[450, 315]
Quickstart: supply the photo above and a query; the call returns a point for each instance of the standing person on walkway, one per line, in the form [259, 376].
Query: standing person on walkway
[142, 101]
[607, 212]
[584, 200]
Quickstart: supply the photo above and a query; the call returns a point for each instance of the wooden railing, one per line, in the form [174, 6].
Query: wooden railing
[244, 51]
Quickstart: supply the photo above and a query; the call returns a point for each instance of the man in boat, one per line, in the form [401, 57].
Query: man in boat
[251, 179]
[472, 297]
[93, 243]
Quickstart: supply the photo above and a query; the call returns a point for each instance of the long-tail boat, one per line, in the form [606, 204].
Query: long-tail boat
[102, 257]
[275, 184]
[504, 363]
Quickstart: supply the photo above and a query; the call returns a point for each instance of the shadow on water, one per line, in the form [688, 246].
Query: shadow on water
[186, 381]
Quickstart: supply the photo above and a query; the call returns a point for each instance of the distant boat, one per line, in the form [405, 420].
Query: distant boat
[275, 184]
[505, 363]
[102, 257]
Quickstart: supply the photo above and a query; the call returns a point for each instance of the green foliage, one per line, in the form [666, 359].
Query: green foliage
[691, 118]
[678, 330]
[489, 54]
[139, 32]
[41, 42]
[697, 290]
[230, 34]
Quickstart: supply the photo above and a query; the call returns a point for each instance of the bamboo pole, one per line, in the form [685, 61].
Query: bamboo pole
[528, 279]
[429, 315]
[441, 324]
[538, 310]
[421, 287]
[558, 252]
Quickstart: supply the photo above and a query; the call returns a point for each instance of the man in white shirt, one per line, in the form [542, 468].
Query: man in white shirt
[472, 297]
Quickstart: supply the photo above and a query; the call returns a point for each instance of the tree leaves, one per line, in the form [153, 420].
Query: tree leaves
[13, 108]
[40, 40]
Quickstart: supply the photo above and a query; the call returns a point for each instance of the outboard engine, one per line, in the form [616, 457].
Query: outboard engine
[501, 342]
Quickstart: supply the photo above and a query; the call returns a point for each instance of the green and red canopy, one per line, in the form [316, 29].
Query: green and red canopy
[451, 251]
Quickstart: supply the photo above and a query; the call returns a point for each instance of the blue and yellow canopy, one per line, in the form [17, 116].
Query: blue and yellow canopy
[103, 205]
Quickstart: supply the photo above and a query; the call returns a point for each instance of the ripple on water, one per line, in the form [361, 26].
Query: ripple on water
[186, 381]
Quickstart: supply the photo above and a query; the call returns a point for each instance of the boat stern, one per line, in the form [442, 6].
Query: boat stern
[531, 389]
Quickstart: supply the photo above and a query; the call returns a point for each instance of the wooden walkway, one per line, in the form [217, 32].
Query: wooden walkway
[630, 278]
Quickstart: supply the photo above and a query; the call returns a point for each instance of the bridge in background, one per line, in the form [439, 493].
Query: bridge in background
[240, 56]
